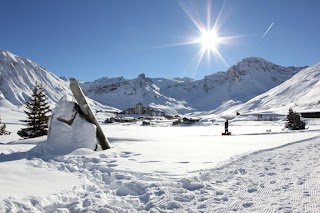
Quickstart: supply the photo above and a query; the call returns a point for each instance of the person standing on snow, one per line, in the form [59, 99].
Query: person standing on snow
[226, 125]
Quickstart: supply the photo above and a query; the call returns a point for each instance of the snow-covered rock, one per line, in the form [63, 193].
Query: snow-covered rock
[68, 131]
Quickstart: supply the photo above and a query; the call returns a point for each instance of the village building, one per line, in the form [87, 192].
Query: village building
[139, 109]
[310, 114]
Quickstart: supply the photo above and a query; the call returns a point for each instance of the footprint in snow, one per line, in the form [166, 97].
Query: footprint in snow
[128, 154]
[184, 162]
[307, 194]
[150, 161]
[273, 182]
[251, 190]
[219, 192]
[247, 205]
[103, 156]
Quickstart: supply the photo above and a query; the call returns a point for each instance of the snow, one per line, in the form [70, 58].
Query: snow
[200, 142]
[261, 167]
[22, 178]
[164, 168]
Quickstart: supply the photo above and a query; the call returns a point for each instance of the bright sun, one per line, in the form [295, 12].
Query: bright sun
[208, 37]
[209, 40]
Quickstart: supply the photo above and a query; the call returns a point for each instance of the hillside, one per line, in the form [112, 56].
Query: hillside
[301, 92]
[18, 76]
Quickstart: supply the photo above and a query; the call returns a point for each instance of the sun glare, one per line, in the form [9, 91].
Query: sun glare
[209, 40]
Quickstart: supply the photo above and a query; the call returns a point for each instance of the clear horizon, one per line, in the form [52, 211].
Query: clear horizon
[158, 38]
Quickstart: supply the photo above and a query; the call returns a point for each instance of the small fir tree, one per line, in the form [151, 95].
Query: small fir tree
[293, 121]
[37, 110]
[3, 130]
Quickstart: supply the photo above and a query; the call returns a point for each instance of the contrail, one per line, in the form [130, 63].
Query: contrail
[266, 31]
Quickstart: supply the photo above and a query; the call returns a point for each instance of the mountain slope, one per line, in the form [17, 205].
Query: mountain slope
[243, 81]
[301, 92]
[18, 75]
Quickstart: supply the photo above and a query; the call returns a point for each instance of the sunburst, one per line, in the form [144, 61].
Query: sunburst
[209, 38]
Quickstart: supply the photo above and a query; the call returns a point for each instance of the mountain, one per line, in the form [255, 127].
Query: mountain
[301, 92]
[18, 76]
[122, 94]
[243, 81]
[240, 83]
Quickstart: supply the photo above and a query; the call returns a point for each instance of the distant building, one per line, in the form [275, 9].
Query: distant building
[141, 110]
[310, 114]
[186, 120]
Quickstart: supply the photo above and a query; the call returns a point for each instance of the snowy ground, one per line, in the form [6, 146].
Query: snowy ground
[162, 168]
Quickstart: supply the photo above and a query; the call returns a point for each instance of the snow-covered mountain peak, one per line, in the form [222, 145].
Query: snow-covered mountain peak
[255, 66]
[18, 76]
[143, 80]
[300, 92]
[6, 54]
[8, 59]
[142, 76]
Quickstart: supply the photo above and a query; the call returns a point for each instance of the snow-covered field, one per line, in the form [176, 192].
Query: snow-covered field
[164, 168]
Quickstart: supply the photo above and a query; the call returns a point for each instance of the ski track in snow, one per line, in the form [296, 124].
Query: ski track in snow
[264, 181]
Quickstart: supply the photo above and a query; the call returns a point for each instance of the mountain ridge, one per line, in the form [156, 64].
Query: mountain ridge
[204, 94]
[301, 92]
[241, 82]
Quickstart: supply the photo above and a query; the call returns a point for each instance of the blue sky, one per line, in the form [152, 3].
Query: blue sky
[110, 38]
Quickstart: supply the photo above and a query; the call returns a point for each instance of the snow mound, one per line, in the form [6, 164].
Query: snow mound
[68, 131]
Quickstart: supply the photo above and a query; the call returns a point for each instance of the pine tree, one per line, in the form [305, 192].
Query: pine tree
[293, 121]
[290, 118]
[37, 110]
[3, 130]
